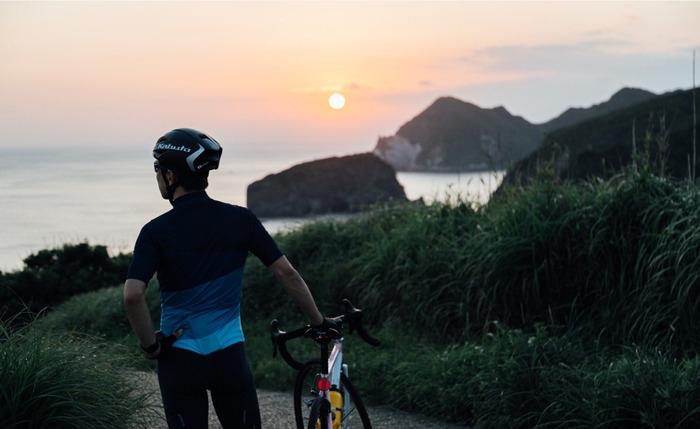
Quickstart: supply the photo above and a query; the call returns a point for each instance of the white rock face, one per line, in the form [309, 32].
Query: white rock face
[398, 152]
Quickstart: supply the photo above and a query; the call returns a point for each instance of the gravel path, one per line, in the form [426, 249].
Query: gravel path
[277, 412]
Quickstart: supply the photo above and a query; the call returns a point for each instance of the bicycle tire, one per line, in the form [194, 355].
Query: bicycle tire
[305, 394]
[318, 413]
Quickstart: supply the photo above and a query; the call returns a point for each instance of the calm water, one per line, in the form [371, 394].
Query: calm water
[49, 197]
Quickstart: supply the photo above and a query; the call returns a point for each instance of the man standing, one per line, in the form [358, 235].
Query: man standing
[198, 249]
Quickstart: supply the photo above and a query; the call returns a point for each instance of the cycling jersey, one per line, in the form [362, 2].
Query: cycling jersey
[199, 249]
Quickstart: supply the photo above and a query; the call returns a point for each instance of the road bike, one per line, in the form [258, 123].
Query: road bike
[324, 397]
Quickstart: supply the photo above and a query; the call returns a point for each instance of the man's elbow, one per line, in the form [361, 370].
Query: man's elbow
[133, 294]
[283, 270]
[288, 273]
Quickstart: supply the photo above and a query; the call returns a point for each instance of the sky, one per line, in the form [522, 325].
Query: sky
[260, 73]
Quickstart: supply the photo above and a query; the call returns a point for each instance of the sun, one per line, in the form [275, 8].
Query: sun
[337, 101]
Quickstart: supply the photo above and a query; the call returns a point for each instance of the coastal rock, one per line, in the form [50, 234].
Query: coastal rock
[398, 152]
[452, 135]
[332, 185]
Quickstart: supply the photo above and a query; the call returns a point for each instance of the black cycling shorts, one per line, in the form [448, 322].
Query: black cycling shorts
[185, 377]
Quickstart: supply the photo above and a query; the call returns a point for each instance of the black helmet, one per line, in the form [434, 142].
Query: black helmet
[188, 152]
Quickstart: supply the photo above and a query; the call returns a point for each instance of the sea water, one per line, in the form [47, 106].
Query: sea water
[53, 196]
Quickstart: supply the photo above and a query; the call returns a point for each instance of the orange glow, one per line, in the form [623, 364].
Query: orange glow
[269, 67]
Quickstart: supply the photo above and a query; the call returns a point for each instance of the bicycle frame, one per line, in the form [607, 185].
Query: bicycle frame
[331, 370]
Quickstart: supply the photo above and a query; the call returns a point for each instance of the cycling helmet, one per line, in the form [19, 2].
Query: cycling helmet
[189, 153]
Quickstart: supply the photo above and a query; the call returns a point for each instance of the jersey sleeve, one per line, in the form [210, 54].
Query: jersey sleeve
[145, 260]
[262, 245]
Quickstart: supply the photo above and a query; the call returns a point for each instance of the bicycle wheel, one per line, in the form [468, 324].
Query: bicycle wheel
[318, 414]
[306, 392]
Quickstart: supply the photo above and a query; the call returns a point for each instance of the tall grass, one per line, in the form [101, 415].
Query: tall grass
[102, 313]
[556, 305]
[594, 288]
[619, 257]
[67, 380]
[551, 377]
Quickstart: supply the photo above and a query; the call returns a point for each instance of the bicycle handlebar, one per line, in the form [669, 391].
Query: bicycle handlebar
[351, 316]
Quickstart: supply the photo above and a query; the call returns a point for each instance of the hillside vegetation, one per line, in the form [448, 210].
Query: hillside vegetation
[555, 305]
[621, 99]
[559, 304]
[660, 128]
[51, 276]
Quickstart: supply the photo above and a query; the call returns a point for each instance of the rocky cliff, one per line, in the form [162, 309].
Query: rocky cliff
[452, 135]
[332, 185]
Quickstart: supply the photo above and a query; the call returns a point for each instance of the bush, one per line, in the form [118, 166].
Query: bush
[617, 257]
[544, 380]
[101, 313]
[55, 379]
[594, 287]
[52, 276]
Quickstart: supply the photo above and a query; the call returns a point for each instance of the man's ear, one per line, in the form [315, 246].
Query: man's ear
[172, 177]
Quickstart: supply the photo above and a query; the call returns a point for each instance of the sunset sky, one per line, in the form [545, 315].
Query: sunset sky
[261, 73]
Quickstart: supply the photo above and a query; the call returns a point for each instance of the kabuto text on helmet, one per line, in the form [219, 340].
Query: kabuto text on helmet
[188, 152]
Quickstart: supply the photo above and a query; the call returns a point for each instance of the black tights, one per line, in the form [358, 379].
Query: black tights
[186, 376]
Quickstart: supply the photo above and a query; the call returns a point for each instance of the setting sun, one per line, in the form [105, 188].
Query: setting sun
[337, 101]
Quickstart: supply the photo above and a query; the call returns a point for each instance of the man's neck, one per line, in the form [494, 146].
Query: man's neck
[180, 191]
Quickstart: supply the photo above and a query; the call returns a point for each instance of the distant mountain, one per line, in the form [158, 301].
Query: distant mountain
[332, 185]
[621, 99]
[601, 146]
[452, 135]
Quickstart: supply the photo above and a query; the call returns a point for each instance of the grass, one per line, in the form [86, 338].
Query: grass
[618, 258]
[601, 277]
[102, 313]
[556, 305]
[55, 379]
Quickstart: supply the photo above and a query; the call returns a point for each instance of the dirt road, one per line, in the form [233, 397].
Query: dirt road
[277, 412]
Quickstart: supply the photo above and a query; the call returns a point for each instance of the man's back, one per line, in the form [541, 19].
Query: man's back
[199, 249]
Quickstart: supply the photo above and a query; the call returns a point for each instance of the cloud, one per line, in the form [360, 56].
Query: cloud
[540, 82]
[514, 58]
[602, 59]
[424, 83]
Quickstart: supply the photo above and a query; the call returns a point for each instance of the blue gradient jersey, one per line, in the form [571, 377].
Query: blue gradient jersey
[199, 249]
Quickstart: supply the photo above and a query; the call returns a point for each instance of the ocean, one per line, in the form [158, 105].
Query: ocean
[53, 196]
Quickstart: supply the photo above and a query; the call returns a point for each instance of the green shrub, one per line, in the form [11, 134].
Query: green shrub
[593, 287]
[54, 275]
[617, 257]
[544, 380]
[101, 313]
[586, 280]
[400, 258]
[51, 379]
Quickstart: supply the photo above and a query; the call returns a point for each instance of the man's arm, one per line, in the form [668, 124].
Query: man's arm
[137, 311]
[140, 318]
[296, 288]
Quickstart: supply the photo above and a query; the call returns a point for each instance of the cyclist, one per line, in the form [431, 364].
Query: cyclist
[198, 249]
